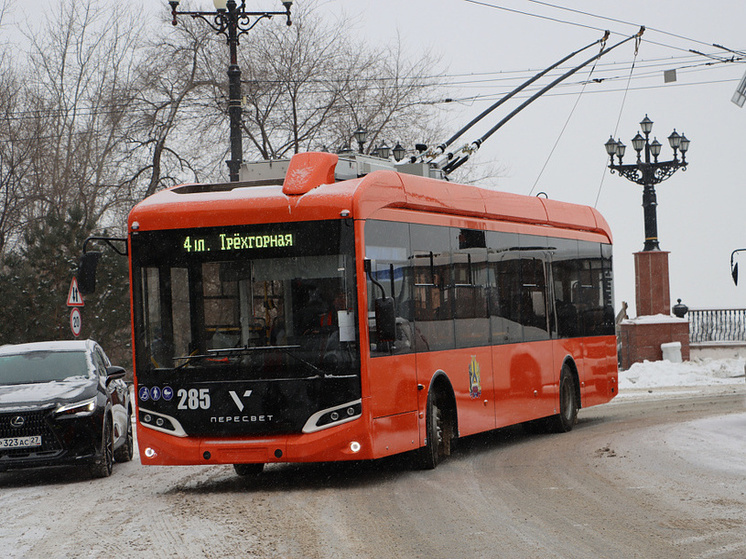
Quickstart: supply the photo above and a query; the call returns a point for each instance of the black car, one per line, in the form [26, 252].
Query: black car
[63, 403]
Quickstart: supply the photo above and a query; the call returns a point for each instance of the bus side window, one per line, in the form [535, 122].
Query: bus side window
[434, 285]
[387, 249]
[596, 301]
[565, 275]
[533, 299]
[470, 291]
[504, 288]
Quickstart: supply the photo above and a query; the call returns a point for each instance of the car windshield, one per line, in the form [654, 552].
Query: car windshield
[42, 366]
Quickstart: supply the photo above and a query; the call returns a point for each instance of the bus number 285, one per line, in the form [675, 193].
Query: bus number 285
[194, 399]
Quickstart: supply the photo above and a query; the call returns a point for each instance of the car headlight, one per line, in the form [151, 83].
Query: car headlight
[86, 407]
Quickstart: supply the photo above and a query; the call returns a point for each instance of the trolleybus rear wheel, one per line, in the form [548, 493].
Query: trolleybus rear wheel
[565, 420]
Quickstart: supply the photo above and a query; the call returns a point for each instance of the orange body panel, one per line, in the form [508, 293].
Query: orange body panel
[493, 386]
[324, 446]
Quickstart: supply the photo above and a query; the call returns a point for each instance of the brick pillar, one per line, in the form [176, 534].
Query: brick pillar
[652, 291]
[641, 340]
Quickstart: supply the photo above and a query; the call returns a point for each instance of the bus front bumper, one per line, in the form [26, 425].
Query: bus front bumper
[344, 442]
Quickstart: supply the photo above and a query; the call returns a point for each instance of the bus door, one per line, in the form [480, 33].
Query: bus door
[543, 382]
[451, 320]
[392, 372]
[583, 299]
[596, 320]
[525, 380]
[472, 330]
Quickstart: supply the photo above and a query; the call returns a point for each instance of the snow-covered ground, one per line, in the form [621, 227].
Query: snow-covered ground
[663, 378]
[717, 443]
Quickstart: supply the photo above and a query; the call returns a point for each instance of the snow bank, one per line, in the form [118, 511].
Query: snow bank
[696, 375]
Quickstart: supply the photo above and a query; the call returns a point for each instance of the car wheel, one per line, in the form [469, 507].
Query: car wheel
[125, 452]
[105, 462]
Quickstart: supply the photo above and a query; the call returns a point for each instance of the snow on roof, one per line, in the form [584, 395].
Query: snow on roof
[59, 345]
[654, 319]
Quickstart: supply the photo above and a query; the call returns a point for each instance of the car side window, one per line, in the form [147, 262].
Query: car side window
[104, 358]
[99, 363]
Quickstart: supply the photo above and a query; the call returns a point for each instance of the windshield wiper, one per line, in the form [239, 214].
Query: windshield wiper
[228, 351]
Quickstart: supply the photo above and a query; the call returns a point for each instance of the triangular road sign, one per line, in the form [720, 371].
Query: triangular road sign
[74, 298]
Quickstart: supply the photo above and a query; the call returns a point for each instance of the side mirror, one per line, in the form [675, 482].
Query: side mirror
[734, 273]
[385, 319]
[114, 373]
[87, 272]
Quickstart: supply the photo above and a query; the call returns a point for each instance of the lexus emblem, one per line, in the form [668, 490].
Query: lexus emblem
[17, 421]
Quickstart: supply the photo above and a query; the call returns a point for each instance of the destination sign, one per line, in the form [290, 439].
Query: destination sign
[229, 242]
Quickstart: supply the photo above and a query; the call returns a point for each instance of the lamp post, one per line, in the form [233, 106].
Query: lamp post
[231, 20]
[648, 173]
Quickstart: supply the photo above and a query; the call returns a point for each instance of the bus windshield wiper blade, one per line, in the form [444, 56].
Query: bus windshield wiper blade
[226, 352]
[238, 350]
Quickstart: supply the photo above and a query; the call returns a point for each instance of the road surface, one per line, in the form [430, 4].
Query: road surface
[654, 478]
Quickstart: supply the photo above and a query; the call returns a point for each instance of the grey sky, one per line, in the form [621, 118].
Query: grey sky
[701, 212]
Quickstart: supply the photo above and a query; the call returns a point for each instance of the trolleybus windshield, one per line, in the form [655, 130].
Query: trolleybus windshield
[245, 329]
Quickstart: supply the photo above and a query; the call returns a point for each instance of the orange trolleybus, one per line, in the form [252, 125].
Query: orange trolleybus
[303, 318]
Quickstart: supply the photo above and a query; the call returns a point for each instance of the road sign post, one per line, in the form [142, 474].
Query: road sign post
[76, 322]
[74, 298]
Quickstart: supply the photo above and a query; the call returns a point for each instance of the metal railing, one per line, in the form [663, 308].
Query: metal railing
[717, 325]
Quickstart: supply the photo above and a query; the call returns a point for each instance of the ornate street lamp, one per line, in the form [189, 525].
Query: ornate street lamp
[399, 152]
[231, 20]
[648, 173]
[361, 134]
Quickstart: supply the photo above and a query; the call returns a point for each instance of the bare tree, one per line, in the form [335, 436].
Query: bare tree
[106, 117]
[306, 88]
[311, 89]
[14, 160]
[390, 96]
[79, 99]
[174, 84]
[13, 148]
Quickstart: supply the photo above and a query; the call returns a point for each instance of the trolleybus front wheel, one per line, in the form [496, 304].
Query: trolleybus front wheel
[439, 431]
[248, 470]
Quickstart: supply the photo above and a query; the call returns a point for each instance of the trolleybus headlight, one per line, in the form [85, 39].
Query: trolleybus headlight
[331, 416]
[164, 423]
[344, 413]
[355, 446]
